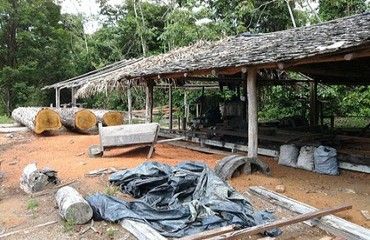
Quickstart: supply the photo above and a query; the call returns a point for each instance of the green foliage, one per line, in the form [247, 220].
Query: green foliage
[32, 204]
[332, 9]
[111, 232]
[5, 119]
[69, 226]
[111, 190]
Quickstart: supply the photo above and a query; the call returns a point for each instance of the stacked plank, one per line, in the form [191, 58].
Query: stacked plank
[37, 119]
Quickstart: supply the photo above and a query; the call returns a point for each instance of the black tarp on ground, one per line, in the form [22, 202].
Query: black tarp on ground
[176, 201]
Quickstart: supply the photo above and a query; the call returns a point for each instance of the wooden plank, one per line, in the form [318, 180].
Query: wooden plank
[354, 167]
[209, 233]
[335, 225]
[252, 113]
[170, 140]
[141, 230]
[27, 229]
[280, 223]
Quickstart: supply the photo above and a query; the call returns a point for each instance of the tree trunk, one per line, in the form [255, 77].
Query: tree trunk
[72, 206]
[108, 117]
[37, 119]
[77, 118]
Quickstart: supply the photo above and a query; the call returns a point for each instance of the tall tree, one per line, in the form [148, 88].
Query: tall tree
[34, 47]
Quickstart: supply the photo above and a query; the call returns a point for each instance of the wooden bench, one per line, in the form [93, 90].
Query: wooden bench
[126, 135]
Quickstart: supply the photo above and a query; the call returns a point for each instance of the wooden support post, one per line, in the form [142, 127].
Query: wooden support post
[313, 103]
[129, 104]
[186, 106]
[148, 102]
[245, 95]
[73, 98]
[57, 97]
[252, 113]
[170, 103]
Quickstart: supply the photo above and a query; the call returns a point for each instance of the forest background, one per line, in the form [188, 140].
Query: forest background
[40, 46]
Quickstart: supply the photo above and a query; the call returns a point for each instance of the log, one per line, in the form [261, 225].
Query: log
[335, 225]
[108, 117]
[72, 206]
[32, 180]
[77, 118]
[37, 119]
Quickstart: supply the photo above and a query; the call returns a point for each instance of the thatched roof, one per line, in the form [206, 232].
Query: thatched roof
[345, 42]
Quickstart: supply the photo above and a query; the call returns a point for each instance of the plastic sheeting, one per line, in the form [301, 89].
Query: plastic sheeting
[177, 201]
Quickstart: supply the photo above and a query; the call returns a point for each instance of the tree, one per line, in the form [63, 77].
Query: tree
[332, 9]
[34, 51]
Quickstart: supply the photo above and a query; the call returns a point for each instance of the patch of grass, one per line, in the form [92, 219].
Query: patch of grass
[5, 119]
[111, 232]
[32, 204]
[69, 225]
[111, 190]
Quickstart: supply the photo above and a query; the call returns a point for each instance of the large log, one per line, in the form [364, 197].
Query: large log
[77, 118]
[108, 117]
[72, 206]
[37, 119]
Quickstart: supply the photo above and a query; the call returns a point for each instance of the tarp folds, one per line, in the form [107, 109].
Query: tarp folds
[176, 201]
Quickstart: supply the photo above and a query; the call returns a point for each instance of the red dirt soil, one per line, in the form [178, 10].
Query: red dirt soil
[66, 153]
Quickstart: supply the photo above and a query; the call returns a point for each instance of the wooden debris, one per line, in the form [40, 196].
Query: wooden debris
[32, 180]
[78, 119]
[209, 233]
[280, 223]
[101, 172]
[366, 214]
[141, 230]
[28, 229]
[90, 227]
[37, 119]
[72, 206]
[335, 225]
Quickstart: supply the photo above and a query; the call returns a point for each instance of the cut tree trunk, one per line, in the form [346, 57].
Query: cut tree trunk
[77, 118]
[32, 180]
[37, 119]
[72, 206]
[108, 117]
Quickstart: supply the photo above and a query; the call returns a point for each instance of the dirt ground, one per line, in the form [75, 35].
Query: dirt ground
[66, 153]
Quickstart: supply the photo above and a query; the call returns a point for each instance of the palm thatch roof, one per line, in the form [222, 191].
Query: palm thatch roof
[327, 51]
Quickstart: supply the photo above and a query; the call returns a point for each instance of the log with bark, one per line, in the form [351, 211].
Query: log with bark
[77, 118]
[72, 206]
[108, 117]
[38, 119]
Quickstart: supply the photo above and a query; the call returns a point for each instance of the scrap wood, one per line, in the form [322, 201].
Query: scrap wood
[141, 230]
[209, 233]
[88, 228]
[99, 172]
[366, 214]
[28, 229]
[335, 225]
[280, 223]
